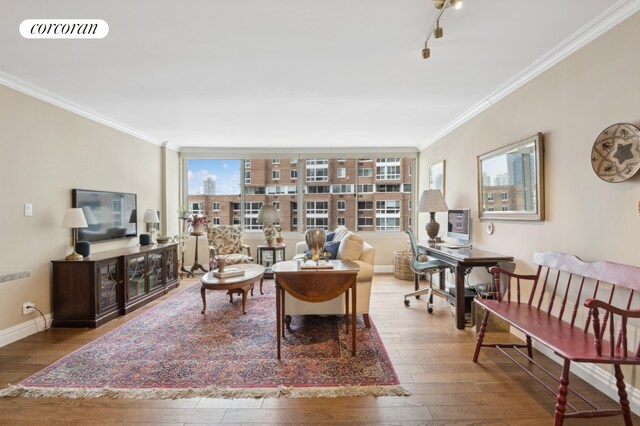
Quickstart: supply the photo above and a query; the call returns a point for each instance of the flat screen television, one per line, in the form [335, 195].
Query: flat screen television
[110, 215]
[459, 224]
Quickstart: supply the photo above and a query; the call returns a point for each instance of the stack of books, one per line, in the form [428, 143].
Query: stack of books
[228, 272]
[321, 265]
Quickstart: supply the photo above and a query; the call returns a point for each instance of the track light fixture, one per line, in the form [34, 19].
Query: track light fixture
[436, 29]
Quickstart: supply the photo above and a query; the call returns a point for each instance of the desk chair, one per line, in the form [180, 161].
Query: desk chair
[418, 266]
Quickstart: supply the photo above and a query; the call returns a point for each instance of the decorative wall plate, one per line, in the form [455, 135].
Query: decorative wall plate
[615, 156]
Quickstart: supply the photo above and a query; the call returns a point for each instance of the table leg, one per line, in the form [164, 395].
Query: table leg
[346, 310]
[278, 318]
[460, 314]
[261, 281]
[204, 299]
[244, 300]
[353, 317]
[284, 313]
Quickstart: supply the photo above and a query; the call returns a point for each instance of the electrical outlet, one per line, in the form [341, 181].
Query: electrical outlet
[28, 308]
[28, 209]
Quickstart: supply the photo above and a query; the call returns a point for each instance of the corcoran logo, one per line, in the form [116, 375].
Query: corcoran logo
[64, 28]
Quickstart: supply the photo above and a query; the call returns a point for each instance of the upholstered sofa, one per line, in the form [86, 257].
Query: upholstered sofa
[351, 247]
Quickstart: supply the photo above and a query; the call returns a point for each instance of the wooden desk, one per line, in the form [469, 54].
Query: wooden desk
[462, 260]
[316, 285]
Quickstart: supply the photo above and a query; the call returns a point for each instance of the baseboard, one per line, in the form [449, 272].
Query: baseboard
[383, 269]
[597, 377]
[20, 331]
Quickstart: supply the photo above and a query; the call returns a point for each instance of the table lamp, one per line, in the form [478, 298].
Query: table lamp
[267, 216]
[151, 218]
[74, 219]
[431, 201]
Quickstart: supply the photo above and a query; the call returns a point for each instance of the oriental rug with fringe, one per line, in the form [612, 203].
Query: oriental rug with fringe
[173, 351]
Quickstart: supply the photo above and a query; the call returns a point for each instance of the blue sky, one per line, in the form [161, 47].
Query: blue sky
[225, 172]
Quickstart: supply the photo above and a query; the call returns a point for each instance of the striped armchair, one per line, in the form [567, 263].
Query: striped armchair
[227, 240]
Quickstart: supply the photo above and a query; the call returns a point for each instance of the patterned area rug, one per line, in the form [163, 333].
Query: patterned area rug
[173, 351]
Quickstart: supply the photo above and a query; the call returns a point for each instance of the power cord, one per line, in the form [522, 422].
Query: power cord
[44, 319]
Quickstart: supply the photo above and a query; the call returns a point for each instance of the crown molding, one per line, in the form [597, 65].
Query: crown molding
[53, 99]
[592, 30]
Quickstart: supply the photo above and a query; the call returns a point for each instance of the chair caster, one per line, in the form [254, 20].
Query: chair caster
[430, 309]
[406, 302]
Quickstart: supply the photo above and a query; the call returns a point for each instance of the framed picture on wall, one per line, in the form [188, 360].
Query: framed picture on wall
[436, 176]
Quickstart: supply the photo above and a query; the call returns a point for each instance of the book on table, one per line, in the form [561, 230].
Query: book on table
[228, 272]
[319, 265]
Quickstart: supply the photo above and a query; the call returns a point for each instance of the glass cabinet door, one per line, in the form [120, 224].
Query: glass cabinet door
[108, 282]
[156, 278]
[136, 276]
[171, 255]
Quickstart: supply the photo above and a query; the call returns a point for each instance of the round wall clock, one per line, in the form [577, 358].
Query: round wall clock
[615, 156]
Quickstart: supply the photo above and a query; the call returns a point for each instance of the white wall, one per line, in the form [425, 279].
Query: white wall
[46, 151]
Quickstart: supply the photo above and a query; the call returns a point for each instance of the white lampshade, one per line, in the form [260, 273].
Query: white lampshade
[151, 216]
[89, 216]
[74, 218]
[431, 200]
[268, 214]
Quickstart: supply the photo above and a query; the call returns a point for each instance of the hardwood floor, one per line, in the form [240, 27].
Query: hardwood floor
[431, 357]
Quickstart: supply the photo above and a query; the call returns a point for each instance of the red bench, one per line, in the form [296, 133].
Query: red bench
[579, 310]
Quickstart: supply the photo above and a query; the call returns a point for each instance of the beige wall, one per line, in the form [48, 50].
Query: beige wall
[570, 104]
[46, 151]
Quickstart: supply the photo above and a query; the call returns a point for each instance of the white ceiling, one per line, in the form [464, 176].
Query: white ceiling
[292, 73]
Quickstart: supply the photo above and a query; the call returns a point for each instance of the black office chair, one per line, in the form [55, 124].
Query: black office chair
[422, 267]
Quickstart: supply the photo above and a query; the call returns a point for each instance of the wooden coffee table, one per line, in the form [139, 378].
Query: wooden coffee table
[238, 284]
[316, 285]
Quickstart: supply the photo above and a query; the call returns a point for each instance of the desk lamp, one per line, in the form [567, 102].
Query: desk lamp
[431, 201]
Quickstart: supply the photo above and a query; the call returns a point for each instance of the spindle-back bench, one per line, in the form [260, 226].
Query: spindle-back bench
[568, 305]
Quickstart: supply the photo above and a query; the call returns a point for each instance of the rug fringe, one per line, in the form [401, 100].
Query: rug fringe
[208, 392]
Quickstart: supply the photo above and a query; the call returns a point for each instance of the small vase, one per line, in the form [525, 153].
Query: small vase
[270, 243]
[221, 265]
[279, 240]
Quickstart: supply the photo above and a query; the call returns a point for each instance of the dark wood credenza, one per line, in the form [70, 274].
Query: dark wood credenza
[92, 291]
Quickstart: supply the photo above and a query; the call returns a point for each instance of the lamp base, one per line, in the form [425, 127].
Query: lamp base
[74, 256]
[432, 228]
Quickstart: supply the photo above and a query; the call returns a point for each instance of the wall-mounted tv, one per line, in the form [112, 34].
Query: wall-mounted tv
[110, 215]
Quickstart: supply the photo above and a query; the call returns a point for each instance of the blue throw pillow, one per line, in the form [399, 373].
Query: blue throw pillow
[332, 248]
[329, 237]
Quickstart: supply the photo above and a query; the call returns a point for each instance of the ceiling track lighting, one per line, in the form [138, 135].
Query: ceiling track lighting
[436, 29]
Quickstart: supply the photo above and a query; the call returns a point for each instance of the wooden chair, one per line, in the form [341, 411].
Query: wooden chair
[226, 240]
[420, 265]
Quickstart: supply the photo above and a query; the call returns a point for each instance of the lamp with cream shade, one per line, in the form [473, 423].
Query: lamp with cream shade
[432, 201]
[267, 216]
[151, 218]
[74, 219]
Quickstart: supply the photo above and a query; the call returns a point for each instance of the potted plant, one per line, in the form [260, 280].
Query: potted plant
[162, 239]
[183, 212]
[279, 237]
[199, 224]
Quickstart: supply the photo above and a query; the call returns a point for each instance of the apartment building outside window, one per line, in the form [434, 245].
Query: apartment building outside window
[358, 199]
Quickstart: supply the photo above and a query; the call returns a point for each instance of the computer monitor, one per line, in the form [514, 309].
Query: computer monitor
[459, 224]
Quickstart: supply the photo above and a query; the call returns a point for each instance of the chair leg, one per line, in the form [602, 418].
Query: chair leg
[622, 395]
[483, 329]
[561, 400]
[367, 321]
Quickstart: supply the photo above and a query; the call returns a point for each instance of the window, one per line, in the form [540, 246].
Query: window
[387, 168]
[504, 196]
[251, 210]
[215, 221]
[196, 208]
[317, 170]
[366, 188]
[239, 193]
[368, 172]
[490, 196]
[365, 205]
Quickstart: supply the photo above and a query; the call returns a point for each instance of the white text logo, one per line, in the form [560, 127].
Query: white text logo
[64, 28]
